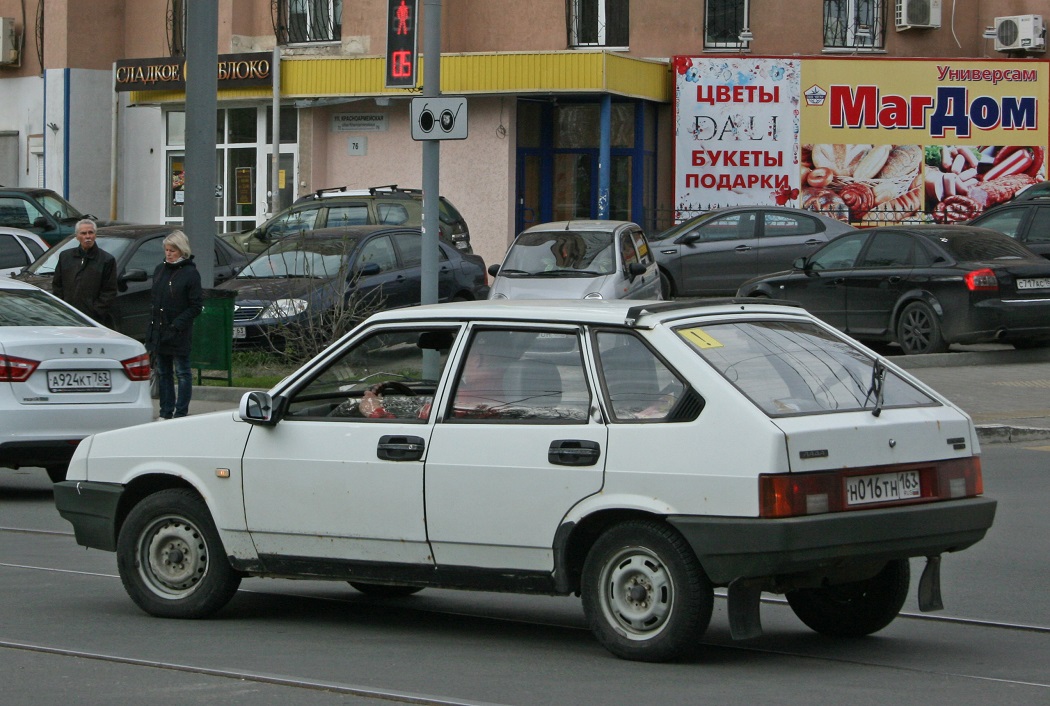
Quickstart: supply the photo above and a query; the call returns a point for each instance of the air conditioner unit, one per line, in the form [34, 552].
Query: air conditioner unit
[918, 14]
[8, 41]
[1020, 33]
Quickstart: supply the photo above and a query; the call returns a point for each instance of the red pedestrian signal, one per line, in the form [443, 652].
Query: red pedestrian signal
[401, 36]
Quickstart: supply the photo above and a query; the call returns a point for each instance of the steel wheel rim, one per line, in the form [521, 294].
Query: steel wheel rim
[637, 593]
[172, 557]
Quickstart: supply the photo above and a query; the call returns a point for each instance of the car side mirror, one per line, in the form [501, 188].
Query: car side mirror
[42, 223]
[259, 408]
[800, 264]
[260, 235]
[635, 269]
[493, 270]
[135, 275]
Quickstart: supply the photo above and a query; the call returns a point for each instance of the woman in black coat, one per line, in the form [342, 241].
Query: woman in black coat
[177, 300]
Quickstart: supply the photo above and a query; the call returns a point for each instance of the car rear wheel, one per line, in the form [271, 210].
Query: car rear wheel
[854, 609]
[645, 595]
[384, 591]
[919, 331]
[171, 559]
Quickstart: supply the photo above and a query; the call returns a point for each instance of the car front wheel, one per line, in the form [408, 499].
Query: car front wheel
[919, 331]
[645, 595]
[666, 286]
[170, 558]
[857, 608]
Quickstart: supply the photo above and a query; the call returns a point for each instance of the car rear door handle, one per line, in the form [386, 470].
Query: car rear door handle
[742, 248]
[400, 448]
[813, 241]
[574, 452]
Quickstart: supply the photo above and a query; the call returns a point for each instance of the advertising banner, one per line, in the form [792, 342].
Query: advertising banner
[875, 141]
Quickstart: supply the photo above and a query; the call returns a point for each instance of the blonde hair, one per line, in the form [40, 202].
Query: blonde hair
[178, 240]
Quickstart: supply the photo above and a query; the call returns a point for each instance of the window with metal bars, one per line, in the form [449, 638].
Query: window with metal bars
[299, 21]
[599, 23]
[176, 21]
[723, 23]
[854, 24]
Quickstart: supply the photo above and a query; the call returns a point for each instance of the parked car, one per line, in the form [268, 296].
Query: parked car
[1025, 218]
[552, 448]
[923, 287]
[62, 378]
[138, 250]
[578, 260]
[346, 272]
[40, 211]
[18, 248]
[715, 252]
[337, 207]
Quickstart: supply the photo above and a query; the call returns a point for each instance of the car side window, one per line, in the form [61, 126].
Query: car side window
[511, 375]
[638, 385]
[11, 253]
[148, 255]
[734, 226]
[410, 245]
[390, 375]
[393, 214]
[839, 253]
[779, 224]
[294, 222]
[348, 215]
[627, 251]
[889, 250]
[34, 249]
[1039, 232]
[1006, 221]
[379, 251]
[15, 213]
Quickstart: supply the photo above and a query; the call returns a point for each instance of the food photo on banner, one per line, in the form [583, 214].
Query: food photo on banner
[870, 142]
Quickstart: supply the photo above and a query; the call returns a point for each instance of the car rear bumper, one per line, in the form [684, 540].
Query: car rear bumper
[731, 548]
[1003, 319]
[46, 435]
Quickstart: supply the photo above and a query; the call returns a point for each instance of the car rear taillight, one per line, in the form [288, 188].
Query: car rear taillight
[795, 494]
[14, 369]
[981, 281]
[137, 368]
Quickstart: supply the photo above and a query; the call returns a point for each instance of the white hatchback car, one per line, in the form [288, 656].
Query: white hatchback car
[62, 377]
[636, 454]
[18, 249]
[578, 260]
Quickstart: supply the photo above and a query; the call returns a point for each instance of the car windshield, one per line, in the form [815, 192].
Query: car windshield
[969, 246]
[562, 252]
[297, 257]
[59, 207]
[47, 264]
[21, 307]
[794, 368]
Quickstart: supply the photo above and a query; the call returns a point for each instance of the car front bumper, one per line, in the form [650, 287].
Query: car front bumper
[732, 548]
[92, 510]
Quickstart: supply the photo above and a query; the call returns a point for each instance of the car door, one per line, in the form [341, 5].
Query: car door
[132, 308]
[392, 286]
[13, 256]
[784, 237]
[327, 483]
[515, 449]
[1037, 232]
[882, 274]
[821, 288]
[719, 254]
[410, 252]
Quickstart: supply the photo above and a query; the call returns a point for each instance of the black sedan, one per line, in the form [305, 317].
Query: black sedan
[923, 287]
[322, 282]
[138, 250]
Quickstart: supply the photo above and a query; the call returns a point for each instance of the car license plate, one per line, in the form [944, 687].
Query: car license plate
[881, 488]
[78, 381]
[1036, 283]
[239, 332]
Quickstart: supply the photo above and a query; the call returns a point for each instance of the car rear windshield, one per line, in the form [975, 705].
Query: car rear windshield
[982, 247]
[21, 307]
[795, 368]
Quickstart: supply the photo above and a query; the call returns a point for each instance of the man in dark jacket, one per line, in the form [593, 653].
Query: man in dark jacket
[177, 300]
[86, 276]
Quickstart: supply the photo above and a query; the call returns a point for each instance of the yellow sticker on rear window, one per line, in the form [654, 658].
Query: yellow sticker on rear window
[699, 338]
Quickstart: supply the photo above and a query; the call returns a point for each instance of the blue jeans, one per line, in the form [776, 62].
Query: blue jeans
[172, 404]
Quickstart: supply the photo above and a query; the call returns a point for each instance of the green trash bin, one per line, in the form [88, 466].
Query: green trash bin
[213, 336]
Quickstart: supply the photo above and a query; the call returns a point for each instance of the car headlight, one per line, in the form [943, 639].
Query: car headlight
[593, 295]
[284, 308]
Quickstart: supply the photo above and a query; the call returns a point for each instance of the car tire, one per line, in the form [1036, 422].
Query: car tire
[379, 590]
[666, 286]
[170, 558]
[854, 609]
[919, 331]
[57, 474]
[645, 595]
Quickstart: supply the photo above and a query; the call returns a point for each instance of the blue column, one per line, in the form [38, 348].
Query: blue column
[604, 157]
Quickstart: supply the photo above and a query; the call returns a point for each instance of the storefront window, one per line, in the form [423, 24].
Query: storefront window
[242, 125]
[577, 126]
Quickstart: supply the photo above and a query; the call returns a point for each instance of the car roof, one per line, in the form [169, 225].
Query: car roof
[609, 312]
[579, 225]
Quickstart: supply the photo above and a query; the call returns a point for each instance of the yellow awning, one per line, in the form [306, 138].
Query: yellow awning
[515, 73]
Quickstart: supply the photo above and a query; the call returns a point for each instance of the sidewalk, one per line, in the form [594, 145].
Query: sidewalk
[1005, 391]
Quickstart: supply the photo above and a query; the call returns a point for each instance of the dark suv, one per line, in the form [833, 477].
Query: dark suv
[40, 211]
[1025, 218]
[340, 206]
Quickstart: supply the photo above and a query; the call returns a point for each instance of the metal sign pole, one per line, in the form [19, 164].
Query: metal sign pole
[198, 221]
[431, 153]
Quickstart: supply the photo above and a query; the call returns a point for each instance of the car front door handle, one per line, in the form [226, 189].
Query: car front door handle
[574, 452]
[813, 241]
[895, 279]
[394, 447]
[742, 248]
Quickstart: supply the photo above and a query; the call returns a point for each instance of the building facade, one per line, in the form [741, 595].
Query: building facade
[570, 103]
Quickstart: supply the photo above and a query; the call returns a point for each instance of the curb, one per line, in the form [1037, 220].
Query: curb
[1006, 434]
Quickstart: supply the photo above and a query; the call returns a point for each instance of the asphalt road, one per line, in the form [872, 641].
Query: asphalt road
[69, 633]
